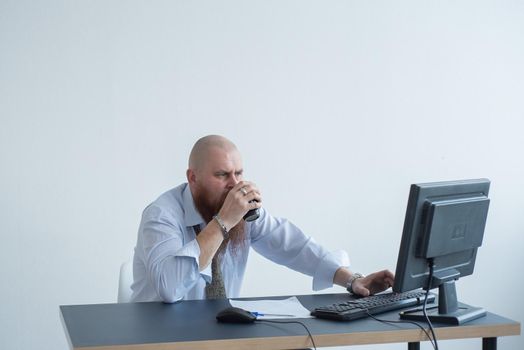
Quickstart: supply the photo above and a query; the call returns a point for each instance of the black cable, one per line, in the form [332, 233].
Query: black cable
[431, 267]
[300, 323]
[432, 339]
[404, 321]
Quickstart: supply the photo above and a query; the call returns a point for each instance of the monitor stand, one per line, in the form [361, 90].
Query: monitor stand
[448, 310]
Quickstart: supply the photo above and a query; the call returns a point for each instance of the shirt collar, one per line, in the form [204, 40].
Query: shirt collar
[191, 215]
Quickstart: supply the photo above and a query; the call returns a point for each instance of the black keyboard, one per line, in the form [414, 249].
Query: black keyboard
[375, 304]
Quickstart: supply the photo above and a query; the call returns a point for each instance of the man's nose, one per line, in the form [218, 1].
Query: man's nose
[233, 180]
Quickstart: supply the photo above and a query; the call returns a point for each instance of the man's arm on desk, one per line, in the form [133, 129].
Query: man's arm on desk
[371, 284]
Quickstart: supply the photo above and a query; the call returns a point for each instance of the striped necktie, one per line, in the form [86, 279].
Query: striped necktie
[215, 289]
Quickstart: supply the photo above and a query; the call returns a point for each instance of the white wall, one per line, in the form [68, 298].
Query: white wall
[337, 106]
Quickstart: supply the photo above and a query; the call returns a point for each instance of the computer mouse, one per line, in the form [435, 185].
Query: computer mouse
[235, 315]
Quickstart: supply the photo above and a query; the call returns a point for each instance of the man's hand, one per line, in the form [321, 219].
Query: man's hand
[243, 197]
[373, 283]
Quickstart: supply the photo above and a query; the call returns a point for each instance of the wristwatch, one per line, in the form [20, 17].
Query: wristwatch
[349, 285]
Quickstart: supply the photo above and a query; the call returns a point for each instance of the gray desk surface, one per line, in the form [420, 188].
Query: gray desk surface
[192, 325]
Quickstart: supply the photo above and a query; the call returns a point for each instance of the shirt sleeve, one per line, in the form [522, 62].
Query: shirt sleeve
[171, 264]
[282, 242]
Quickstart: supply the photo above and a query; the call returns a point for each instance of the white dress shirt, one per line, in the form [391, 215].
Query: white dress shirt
[166, 264]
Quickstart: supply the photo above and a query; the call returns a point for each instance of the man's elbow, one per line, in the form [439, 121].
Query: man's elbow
[173, 281]
[169, 298]
[167, 294]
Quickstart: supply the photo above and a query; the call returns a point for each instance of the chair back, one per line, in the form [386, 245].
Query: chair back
[124, 282]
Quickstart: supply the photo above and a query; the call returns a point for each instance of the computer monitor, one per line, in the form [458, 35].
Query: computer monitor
[444, 226]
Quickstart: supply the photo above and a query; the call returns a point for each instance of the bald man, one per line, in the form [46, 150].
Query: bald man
[193, 242]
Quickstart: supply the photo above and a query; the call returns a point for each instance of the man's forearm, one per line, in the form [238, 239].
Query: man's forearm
[209, 241]
[342, 276]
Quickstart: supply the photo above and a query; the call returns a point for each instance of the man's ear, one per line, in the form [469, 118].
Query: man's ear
[191, 176]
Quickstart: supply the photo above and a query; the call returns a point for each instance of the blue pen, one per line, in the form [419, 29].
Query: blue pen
[256, 313]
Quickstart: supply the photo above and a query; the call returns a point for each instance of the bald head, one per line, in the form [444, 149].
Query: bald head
[214, 169]
[205, 147]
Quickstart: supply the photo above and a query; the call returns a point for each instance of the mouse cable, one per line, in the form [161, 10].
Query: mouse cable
[300, 323]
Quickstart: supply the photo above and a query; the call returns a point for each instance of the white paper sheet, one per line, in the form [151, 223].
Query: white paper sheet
[283, 308]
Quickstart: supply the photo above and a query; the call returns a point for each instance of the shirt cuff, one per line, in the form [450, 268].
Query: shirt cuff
[192, 249]
[325, 271]
[171, 248]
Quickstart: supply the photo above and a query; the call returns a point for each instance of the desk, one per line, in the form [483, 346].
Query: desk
[192, 325]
